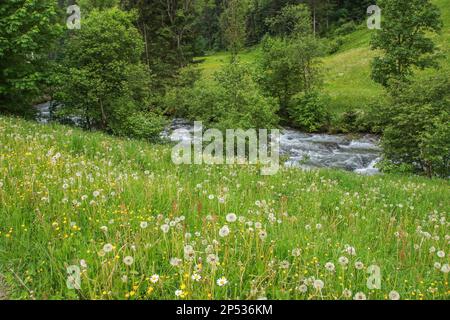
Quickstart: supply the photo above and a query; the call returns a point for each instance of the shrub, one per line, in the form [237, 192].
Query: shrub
[232, 99]
[345, 28]
[308, 111]
[417, 130]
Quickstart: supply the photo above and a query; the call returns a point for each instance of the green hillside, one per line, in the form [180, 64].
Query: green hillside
[347, 72]
[123, 211]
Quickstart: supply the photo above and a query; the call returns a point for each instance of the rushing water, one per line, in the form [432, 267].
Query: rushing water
[314, 150]
[304, 150]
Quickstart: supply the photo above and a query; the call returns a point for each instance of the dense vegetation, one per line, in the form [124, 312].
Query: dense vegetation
[139, 227]
[111, 202]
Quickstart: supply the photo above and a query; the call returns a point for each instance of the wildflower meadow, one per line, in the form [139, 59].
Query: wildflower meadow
[88, 216]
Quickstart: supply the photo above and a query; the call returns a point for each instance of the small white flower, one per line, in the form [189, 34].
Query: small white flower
[437, 265]
[296, 252]
[394, 295]
[359, 265]
[231, 217]
[128, 260]
[445, 268]
[222, 281]
[211, 197]
[196, 277]
[440, 254]
[178, 293]
[96, 193]
[108, 247]
[154, 278]
[104, 228]
[83, 263]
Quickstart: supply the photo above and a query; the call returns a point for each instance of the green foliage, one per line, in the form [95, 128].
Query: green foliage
[404, 40]
[28, 30]
[290, 66]
[232, 23]
[345, 28]
[293, 20]
[308, 111]
[232, 99]
[89, 5]
[417, 127]
[102, 79]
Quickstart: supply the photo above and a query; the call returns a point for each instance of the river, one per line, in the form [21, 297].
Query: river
[318, 150]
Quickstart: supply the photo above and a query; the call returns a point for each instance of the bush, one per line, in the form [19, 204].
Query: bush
[417, 130]
[345, 28]
[308, 111]
[131, 121]
[232, 99]
[335, 44]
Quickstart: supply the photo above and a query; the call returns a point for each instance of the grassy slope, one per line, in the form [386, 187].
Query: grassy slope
[46, 225]
[348, 71]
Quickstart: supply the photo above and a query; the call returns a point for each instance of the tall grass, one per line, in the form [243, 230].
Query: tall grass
[139, 227]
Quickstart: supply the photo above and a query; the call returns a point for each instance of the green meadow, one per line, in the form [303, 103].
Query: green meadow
[88, 216]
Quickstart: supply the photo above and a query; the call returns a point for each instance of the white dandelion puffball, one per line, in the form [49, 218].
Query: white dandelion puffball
[318, 284]
[296, 252]
[394, 295]
[175, 262]
[144, 224]
[302, 288]
[165, 228]
[359, 296]
[212, 259]
[329, 266]
[231, 217]
[128, 260]
[347, 293]
[343, 261]
[108, 247]
[224, 231]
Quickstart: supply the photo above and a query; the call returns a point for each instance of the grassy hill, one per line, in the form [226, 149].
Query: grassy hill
[139, 227]
[347, 73]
